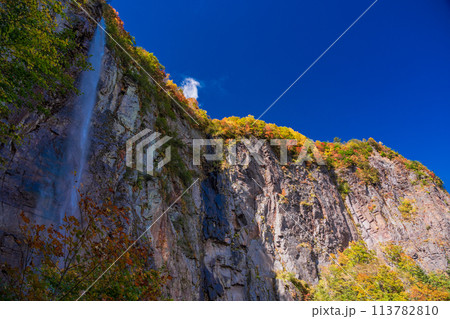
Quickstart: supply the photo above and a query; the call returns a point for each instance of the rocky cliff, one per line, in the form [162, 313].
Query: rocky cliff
[238, 226]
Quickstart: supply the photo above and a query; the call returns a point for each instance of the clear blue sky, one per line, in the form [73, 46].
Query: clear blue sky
[388, 78]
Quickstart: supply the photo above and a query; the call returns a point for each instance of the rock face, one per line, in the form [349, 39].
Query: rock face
[425, 236]
[235, 227]
[32, 166]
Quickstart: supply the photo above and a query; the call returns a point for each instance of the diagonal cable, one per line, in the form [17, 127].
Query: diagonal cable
[131, 57]
[317, 60]
[129, 247]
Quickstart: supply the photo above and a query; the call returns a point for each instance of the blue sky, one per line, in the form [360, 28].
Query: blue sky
[387, 78]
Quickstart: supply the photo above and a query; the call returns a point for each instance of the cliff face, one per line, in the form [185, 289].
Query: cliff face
[236, 227]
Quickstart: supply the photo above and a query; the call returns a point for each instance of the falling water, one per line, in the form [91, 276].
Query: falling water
[63, 197]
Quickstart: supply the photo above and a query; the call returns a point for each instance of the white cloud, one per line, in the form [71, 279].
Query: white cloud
[190, 88]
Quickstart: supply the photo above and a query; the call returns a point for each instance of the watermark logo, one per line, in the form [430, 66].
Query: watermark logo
[147, 144]
[308, 152]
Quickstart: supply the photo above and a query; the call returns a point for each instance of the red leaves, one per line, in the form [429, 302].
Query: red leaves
[75, 253]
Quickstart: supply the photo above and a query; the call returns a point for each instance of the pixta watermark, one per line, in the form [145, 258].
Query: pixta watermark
[145, 148]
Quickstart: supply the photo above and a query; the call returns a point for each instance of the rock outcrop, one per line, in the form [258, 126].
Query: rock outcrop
[237, 226]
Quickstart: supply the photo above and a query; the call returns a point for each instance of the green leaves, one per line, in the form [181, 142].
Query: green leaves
[358, 274]
[34, 59]
[59, 263]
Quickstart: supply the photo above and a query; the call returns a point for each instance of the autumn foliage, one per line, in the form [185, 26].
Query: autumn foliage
[155, 85]
[144, 68]
[358, 274]
[60, 263]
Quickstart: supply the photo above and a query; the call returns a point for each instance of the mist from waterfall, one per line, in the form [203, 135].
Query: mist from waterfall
[61, 197]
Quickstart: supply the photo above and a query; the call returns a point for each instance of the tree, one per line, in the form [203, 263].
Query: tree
[59, 263]
[34, 59]
[357, 274]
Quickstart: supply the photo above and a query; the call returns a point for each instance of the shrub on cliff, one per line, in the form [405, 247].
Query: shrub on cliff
[408, 209]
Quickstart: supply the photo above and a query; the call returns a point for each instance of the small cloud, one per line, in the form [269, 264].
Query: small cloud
[190, 88]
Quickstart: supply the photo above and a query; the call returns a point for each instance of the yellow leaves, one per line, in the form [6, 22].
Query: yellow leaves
[304, 245]
[170, 84]
[235, 128]
[68, 253]
[424, 292]
[360, 277]
[282, 196]
[408, 208]
[393, 252]
[342, 259]
[363, 276]
[358, 253]
[302, 290]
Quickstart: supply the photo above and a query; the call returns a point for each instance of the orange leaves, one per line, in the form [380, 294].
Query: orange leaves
[424, 292]
[372, 207]
[119, 21]
[320, 146]
[60, 261]
[282, 196]
[268, 131]
[25, 219]
[235, 128]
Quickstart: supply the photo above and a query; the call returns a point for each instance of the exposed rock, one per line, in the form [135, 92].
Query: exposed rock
[237, 226]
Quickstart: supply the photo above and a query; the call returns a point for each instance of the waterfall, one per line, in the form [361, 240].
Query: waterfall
[78, 145]
[61, 197]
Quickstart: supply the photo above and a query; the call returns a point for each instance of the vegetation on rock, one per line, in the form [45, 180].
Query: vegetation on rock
[60, 263]
[302, 290]
[358, 274]
[36, 60]
[156, 88]
[407, 209]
